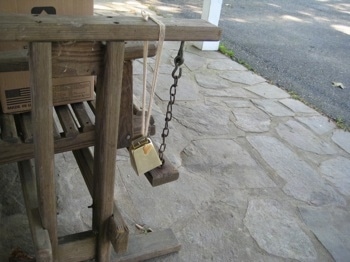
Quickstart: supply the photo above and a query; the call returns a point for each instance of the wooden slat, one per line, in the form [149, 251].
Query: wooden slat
[41, 79]
[96, 28]
[82, 116]
[9, 153]
[14, 61]
[150, 245]
[40, 235]
[126, 106]
[67, 122]
[72, 58]
[77, 247]
[8, 128]
[26, 127]
[118, 231]
[108, 97]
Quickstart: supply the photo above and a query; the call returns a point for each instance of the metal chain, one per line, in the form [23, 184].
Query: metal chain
[178, 61]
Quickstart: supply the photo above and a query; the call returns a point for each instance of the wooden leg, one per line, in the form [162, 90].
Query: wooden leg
[108, 97]
[40, 236]
[41, 82]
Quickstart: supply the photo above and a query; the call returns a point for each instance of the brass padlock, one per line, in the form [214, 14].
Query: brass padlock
[143, 155]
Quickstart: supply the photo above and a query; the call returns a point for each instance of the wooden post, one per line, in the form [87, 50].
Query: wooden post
[41, 82]
[108, 97]
[211, 13]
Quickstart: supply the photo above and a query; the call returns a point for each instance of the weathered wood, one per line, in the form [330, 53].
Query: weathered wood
[150, 245]
[108, 97]
[96, 28]
[67, 121]
[118, 231]
[126, 106]
[24, 151]
[40, 236]
[8, 128]
[164, 174]
[41, 79]
[77, 247]
[9, 153]
[72, 58]
[137, 119]
[26, 127]
[82, 116]
[14, 61]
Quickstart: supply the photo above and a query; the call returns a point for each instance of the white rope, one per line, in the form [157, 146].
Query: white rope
[145, 121]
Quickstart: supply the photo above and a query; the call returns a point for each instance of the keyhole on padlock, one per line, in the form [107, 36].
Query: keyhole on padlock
[147, 148]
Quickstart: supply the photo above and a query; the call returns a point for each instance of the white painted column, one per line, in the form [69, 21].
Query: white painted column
[211, 13]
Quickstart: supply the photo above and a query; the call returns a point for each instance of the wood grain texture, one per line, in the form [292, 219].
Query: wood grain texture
[67, 122]
[96, 28]
[77, 247]
[118, 231]
[126, 107]
[8, 128]
[25, 120]
[72, 58]
[41, 80]
[151, 245]
[40, 236]
[108, 97]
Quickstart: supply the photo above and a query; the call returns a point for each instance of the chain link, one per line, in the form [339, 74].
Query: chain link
[176, 74]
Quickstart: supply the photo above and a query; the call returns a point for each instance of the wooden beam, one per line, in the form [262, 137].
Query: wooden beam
[73, 58]
[41, 81]
[118, 232]
[150, 245]
[77, 247]
[108, 98]
[40, 236]
[15, 27]
[126, 107]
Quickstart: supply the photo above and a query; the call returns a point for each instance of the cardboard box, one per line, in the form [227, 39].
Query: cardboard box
[15, 93]
[14, 88]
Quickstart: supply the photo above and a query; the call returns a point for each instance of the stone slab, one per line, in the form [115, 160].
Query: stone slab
[186, 90]
[276, 230]
[297, 135]
[243, 77]
[337, 171]
[342, 139]
[272, 107]
[211, 81]
[318, 124]
[332, 228]
[203, 119]
[226, 161]
[251, 119]
[226, 65]
[310, 188]
[268, 91]
[297, 106]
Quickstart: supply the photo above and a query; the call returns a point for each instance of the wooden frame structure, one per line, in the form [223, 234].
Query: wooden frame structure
[113, 109]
